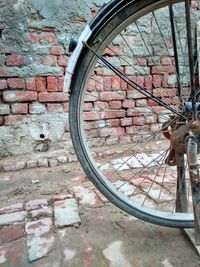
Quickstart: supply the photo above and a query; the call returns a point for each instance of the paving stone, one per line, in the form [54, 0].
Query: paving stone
[6, 219]
[44, 212]
[32, 164]
[14, 166]
[86, 196]
[66, 213]
[53, 162]
[113, 253]
[43, 162]
[12, 208]
[62, 159]
[61, 197]
[36, 204]
[12, 232]
[40, 238]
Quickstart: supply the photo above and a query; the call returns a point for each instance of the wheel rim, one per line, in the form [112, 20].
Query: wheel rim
[146, 191]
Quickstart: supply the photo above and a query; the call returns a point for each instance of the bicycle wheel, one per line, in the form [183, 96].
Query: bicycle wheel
[121, 136]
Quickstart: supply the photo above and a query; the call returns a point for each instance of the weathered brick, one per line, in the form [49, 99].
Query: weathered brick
[36, 204]
[1, 121]
[50, 60]
[37, 108]
[19, 108]
[57, 50]
[126, 121]
[19, 96]
[163, 70]
[3, 84]
[52, 84]
[115, 83]
[32, 164]
[109, 96]
[31, 84]
[10, 218]
[112, 114]
[45, 212]
[91, 116]
[4, 109]
[111, 132]
[41, 84]
[13, 165]
[16, 83]
[53, 162]
[141, 103]
[12, 232]
[115, 105]
[113, 123]
[53, 97]
[134, 94]
[54, 108]
[128, 103]
[60, 84]
[12, 208]
[62, 61]
[14, 60]
[139, 121]
[43, 162]
[100, 105]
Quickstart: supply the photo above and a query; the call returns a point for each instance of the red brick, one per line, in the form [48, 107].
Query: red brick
[60, 84]
[139, 121]
[16, 83]
[19, 108]
[88, 106]
[134, 94]
[35, 204]
[111, 132]
[148, 83]
[53, 97]
[151, 103]
[166, 61]
[52, 84]
[126, 121]
[109, 96]
[91, 85]
[3, 84]
[48, 37]
[54, 107]
[139, 80]
[113, 123]
[107, 83]
[115, 83]
[123, 85]
[12, 232]
[157, 80]
[34, 37]
[113, 114]
[41, 84]
[160, 92]
[141, 62]
[19, 96]
[14, 60]
[91, 116]
[57, 50]
[12, 120]
[115, 50]
[66, 107]
[31, 84]
[92, 134]
[62, 61]
[141, 103]
[5, 72]
[115, 105]
[100, 105]
[128, 103]
[4, 109]
[1, 120]
[163, 70]
[150, 120]
[50, 60]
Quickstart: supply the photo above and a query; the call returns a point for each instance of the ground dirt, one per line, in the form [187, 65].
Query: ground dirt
[107, 237]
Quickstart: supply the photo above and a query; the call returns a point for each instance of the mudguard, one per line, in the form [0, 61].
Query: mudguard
[93, 27]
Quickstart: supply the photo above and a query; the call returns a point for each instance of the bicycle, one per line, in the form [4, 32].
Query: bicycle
[134, 110]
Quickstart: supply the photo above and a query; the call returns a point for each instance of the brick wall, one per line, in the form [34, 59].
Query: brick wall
[34, 39]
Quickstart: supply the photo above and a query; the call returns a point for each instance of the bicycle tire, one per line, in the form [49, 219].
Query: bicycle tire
[109, 25]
